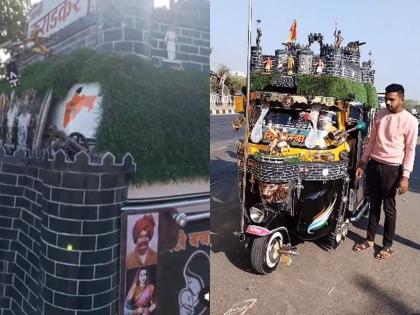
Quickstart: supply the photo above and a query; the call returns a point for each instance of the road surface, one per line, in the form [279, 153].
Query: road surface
[320, 281]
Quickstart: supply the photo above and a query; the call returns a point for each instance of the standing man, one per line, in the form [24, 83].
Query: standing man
[389, 154]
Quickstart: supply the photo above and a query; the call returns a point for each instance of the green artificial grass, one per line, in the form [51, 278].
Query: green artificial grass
[325, 85]
[159, 115]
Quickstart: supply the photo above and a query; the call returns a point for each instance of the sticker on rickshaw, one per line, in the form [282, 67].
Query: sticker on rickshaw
[293, 138]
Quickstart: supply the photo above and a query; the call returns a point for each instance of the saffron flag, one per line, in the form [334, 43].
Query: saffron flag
[293, 32]
[75, 105]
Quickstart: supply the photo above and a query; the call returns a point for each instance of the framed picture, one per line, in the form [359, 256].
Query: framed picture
[140, 290]
[139, 248]
[163, 261]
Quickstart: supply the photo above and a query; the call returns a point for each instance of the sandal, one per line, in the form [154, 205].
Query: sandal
[385, 253]
[360, 247]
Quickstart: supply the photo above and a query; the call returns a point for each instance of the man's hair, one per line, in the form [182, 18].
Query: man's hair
[395, 88]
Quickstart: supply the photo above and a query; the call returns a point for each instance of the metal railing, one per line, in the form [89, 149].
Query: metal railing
[189, 207]
[217, 100]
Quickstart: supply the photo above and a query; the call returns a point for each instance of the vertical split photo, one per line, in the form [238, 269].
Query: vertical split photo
[197, 157]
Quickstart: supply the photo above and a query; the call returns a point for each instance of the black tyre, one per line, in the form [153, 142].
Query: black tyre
[265, 252]
[335, 238]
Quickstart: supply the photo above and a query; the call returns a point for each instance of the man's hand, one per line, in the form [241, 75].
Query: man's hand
[359, 169]
[359, 172]
[403, 185]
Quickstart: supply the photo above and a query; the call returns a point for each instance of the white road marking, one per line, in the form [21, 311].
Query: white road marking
[241, 308]
[311, 285]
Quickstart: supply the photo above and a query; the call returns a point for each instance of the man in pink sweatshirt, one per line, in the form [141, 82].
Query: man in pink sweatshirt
[389, 155]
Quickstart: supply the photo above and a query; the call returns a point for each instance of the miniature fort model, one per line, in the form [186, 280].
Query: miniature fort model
[335, 60]
[307, 120]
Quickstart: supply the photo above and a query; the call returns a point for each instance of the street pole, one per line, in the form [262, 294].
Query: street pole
[245, 144]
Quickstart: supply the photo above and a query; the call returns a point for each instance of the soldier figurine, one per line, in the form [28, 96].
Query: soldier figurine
[268, 63]
[319, 67]
[11, 117]
[35, 43]
[290, 65]
[23, 123]
[170, 39]
[259, 34]
[338, 38]
[3, 104]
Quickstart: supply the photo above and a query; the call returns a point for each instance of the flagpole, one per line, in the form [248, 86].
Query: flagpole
[248, 83]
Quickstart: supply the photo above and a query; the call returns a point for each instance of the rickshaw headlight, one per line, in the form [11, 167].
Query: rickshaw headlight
[257, 215]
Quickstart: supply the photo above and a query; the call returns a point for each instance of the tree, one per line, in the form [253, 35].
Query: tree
[13, 20]
[215, 80]
[236, 84]
[232, 83]
[411, 104]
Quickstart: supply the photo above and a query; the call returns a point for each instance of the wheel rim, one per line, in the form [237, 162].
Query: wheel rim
[274, 245]
[346, 230]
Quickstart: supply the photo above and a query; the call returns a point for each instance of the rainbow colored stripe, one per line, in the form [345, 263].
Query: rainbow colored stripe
[322, 218]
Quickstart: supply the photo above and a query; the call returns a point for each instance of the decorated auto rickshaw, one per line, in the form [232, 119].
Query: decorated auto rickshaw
[298, 158]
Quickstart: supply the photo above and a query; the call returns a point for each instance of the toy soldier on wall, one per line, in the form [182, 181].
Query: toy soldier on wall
[23, 122]
[35, 43]
[170, 39]
[11, 117]
[268, 63]
[259, 33]
[338, 38]
[319, 67]
[3, 104]
[290, 65]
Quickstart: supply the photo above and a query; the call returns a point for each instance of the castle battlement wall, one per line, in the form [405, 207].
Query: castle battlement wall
[343, 62]
[60, 232]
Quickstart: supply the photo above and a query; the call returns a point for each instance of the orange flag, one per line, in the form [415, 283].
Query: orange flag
[75, 105]
[293, 32]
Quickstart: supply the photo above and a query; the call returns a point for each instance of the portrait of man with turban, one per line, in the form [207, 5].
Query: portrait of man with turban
[142, 234]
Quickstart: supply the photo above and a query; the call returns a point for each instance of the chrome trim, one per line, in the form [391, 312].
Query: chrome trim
[198, 216]
[184, 206]
[360, 213]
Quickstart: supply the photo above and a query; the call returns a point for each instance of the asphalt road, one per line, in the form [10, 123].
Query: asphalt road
[319, 281]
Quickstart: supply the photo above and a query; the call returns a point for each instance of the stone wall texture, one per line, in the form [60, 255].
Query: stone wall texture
[339, 62]
[60, 233]
[136, 28]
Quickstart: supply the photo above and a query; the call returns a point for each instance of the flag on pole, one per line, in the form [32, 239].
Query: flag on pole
[293, 32]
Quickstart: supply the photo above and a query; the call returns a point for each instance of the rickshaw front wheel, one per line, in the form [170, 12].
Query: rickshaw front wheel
[265, 252]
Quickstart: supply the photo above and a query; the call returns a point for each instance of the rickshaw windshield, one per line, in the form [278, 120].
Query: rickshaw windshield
[303, 128]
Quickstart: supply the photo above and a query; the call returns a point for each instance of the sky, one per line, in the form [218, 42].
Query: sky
[391, 30]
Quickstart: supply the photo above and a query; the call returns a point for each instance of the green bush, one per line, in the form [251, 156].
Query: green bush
[325, 85]
[372, 95]
[159, 115]
[260, 81]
